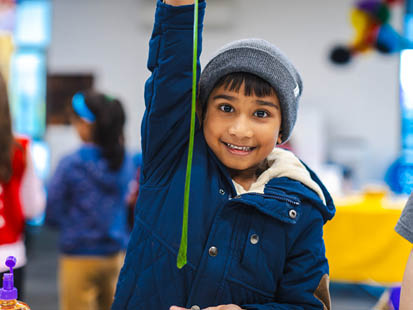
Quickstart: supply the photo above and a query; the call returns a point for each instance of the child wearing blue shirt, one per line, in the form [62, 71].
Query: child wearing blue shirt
[86, 202]
[256, 212]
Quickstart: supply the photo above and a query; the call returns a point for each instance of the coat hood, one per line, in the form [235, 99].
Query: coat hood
[284, 164]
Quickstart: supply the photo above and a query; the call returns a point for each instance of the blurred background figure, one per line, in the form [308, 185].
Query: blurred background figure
[134, 190]
[21, 192]
[87, 204]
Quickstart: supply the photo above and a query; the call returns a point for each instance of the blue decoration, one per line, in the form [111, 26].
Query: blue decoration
[399, 175]
[28, 67]
[28, 92]
[389, 39]
[33, 25]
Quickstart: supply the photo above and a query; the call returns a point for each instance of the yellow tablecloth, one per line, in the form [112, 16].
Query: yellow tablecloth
[361, 243]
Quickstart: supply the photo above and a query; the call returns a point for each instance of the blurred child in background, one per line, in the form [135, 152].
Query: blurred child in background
[405, 228]
[87, 203]
[21, 192]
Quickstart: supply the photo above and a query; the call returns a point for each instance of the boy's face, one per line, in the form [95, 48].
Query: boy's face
[241, 130]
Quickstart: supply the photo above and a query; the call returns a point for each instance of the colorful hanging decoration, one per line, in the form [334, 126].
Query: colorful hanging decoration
[182, 253]
[372, 31]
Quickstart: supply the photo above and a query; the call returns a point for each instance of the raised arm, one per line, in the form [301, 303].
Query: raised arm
[165, 126]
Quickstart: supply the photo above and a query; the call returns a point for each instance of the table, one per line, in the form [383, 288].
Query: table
[361, 243]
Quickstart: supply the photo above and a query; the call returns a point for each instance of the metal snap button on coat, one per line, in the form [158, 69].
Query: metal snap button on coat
[292, 214]
[254, 239]
[213, 251]
[221, 191]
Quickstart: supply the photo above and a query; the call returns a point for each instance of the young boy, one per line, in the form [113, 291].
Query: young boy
[405, 228]
[256, 213]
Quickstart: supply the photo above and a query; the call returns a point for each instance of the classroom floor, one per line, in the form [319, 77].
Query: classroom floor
[41, 290]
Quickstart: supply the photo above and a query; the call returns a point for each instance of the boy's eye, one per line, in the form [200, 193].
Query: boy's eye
[261, 114]
[226, 108]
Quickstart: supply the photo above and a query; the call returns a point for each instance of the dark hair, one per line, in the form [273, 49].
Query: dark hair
[253, 85]
[108, 129]
[6, 135]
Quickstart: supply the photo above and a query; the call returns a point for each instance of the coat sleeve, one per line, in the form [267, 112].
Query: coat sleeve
[57, 191]
[405, 224]
[305, 282]
[168, 91]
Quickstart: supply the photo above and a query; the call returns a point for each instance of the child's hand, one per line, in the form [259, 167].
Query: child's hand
[220, 307]
[178, 2]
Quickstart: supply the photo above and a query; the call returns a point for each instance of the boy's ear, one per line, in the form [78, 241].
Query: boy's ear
[279, 140]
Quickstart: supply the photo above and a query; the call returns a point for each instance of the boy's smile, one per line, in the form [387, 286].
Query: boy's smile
[241, 130]
[238, 149]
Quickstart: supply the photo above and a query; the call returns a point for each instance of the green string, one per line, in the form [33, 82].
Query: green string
[182, 254]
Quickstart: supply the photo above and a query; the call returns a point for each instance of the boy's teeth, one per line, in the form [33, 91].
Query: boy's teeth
[241, 148]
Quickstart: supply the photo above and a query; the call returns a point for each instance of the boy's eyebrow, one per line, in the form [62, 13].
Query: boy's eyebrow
[227, 97]
[259, 101]
[267, 103]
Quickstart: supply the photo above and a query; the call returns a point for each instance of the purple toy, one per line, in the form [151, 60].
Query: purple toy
[9, 292]
[395, 297]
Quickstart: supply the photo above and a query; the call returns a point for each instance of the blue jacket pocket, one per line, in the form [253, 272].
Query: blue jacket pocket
[284, 208]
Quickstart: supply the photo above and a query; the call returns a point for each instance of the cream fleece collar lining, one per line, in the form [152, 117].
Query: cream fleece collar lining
[282, 163]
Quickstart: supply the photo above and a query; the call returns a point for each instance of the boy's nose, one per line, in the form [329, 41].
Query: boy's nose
[241, 128]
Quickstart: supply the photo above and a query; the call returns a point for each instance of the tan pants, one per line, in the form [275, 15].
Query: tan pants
[88, 282]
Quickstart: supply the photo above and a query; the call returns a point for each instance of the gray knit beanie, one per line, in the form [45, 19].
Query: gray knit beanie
[261, 58]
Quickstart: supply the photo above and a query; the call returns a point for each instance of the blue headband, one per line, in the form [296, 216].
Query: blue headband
[81, 109]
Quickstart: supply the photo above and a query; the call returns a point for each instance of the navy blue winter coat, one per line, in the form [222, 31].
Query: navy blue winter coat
[259, 251]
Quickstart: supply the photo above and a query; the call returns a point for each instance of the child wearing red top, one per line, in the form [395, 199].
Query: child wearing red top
[21, 193]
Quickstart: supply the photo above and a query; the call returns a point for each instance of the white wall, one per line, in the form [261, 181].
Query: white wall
[359, 102]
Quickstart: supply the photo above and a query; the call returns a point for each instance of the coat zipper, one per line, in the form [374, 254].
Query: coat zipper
[278, 197]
